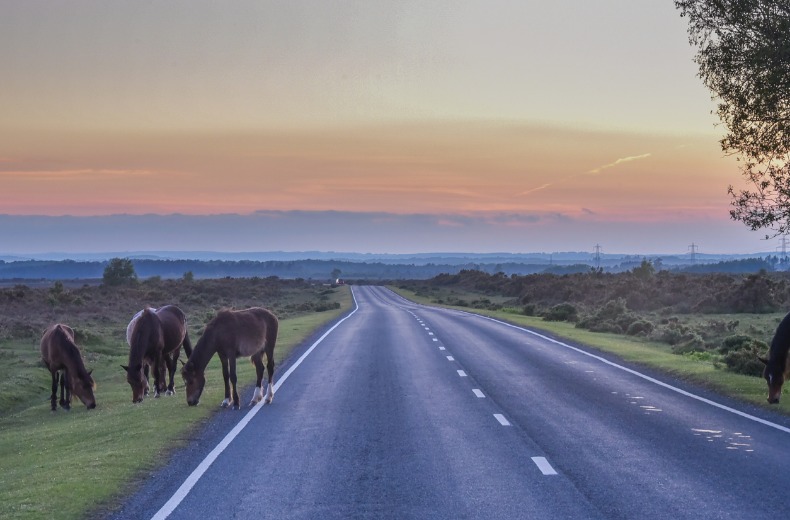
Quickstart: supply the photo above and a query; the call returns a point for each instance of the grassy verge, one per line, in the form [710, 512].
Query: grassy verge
[66, 464]
[657, 356]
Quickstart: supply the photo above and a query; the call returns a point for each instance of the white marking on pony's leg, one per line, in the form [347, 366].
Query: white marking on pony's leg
[257, 396]
[269, 394]
[226, 402]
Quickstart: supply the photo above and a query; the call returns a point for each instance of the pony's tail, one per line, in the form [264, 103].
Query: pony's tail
[271, 334]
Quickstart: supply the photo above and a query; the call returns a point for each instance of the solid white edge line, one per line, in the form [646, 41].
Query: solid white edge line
[544, 466]
[192, 479]
[641, 375]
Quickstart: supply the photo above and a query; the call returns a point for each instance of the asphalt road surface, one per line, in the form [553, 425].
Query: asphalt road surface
[406, 411]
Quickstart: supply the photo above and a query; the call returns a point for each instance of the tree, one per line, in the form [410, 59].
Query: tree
[743, 53]
[119, 271]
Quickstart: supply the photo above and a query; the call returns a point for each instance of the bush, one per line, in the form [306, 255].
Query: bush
[736, 342]
[640, 328]
[691, 342]
[745, 361]
[561, 312]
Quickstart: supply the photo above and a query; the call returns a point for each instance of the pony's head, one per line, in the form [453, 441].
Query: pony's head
[137, 380]
[774, 374]
[195, 380]
[83, 388]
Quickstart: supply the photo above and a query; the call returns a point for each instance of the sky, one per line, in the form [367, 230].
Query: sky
[366, 126]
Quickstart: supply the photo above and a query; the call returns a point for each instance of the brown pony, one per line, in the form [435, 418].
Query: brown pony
[776, 366]
[155, 337]
[63, 359]
[233, 334]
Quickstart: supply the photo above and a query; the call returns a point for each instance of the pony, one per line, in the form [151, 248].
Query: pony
[62, 357]
[155, 338]
[777, 368]
[231, 335]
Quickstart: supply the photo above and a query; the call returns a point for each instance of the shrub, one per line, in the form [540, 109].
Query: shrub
[690, 342]
[640, 328]
[745, 361]
[561, 312]
[736, 342]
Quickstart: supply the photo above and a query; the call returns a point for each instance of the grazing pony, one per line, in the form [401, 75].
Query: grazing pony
[155, 337]
[63, 359]
[776, 366]
[233, 334]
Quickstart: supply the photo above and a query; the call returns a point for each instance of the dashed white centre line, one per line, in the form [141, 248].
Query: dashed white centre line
[450, 358]
[441, 348]
[501, 419]
[478, 393]
[544, 466]
[430, 333]
[461, 373]
[434, 339]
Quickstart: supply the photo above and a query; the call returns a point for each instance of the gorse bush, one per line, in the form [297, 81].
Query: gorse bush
[561, 312]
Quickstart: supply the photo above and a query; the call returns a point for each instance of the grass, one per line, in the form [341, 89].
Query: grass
[653, 355]
[69, 465]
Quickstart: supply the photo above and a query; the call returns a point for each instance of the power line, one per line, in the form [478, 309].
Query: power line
[693, 252]
[597, 256]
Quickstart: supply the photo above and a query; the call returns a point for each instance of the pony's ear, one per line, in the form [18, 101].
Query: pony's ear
[125, 367]
[90, 371]
[182, 362]
[762, 360]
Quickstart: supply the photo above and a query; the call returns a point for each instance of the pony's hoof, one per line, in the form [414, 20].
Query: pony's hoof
[170, 392]
[268, 400]
[225, 403]
[236, 407]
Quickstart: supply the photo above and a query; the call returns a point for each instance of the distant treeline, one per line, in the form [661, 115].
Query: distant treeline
[324, 269]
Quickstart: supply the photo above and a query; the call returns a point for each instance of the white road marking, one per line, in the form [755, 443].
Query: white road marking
[501, 419]
[434, 339]
[638, 374]
[192, 479]
[544, 466]
[461, 373]
[430, 333]
[450, 358]
[441, 348]
[478, 393]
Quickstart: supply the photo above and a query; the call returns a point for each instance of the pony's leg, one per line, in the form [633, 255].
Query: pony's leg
[270, 372]
[146, 370]
[159, 374]
[234, 390]
[225, 379]
[257, 360]
[172, 363]
[53, 399]
[65, 391]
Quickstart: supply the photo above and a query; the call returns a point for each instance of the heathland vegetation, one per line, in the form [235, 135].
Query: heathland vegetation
[75, 463]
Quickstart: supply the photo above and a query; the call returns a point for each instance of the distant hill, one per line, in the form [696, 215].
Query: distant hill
[355, 266]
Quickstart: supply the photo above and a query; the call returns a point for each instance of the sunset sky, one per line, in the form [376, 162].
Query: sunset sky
[369, 126]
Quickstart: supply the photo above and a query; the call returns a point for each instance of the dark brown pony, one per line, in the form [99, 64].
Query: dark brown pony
[63, 359]
[155, 338]
[233, 334]
[776, 367]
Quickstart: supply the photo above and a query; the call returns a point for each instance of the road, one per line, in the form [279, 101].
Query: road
[406, 411]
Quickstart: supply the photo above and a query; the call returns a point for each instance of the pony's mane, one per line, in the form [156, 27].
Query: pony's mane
[71, 353]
